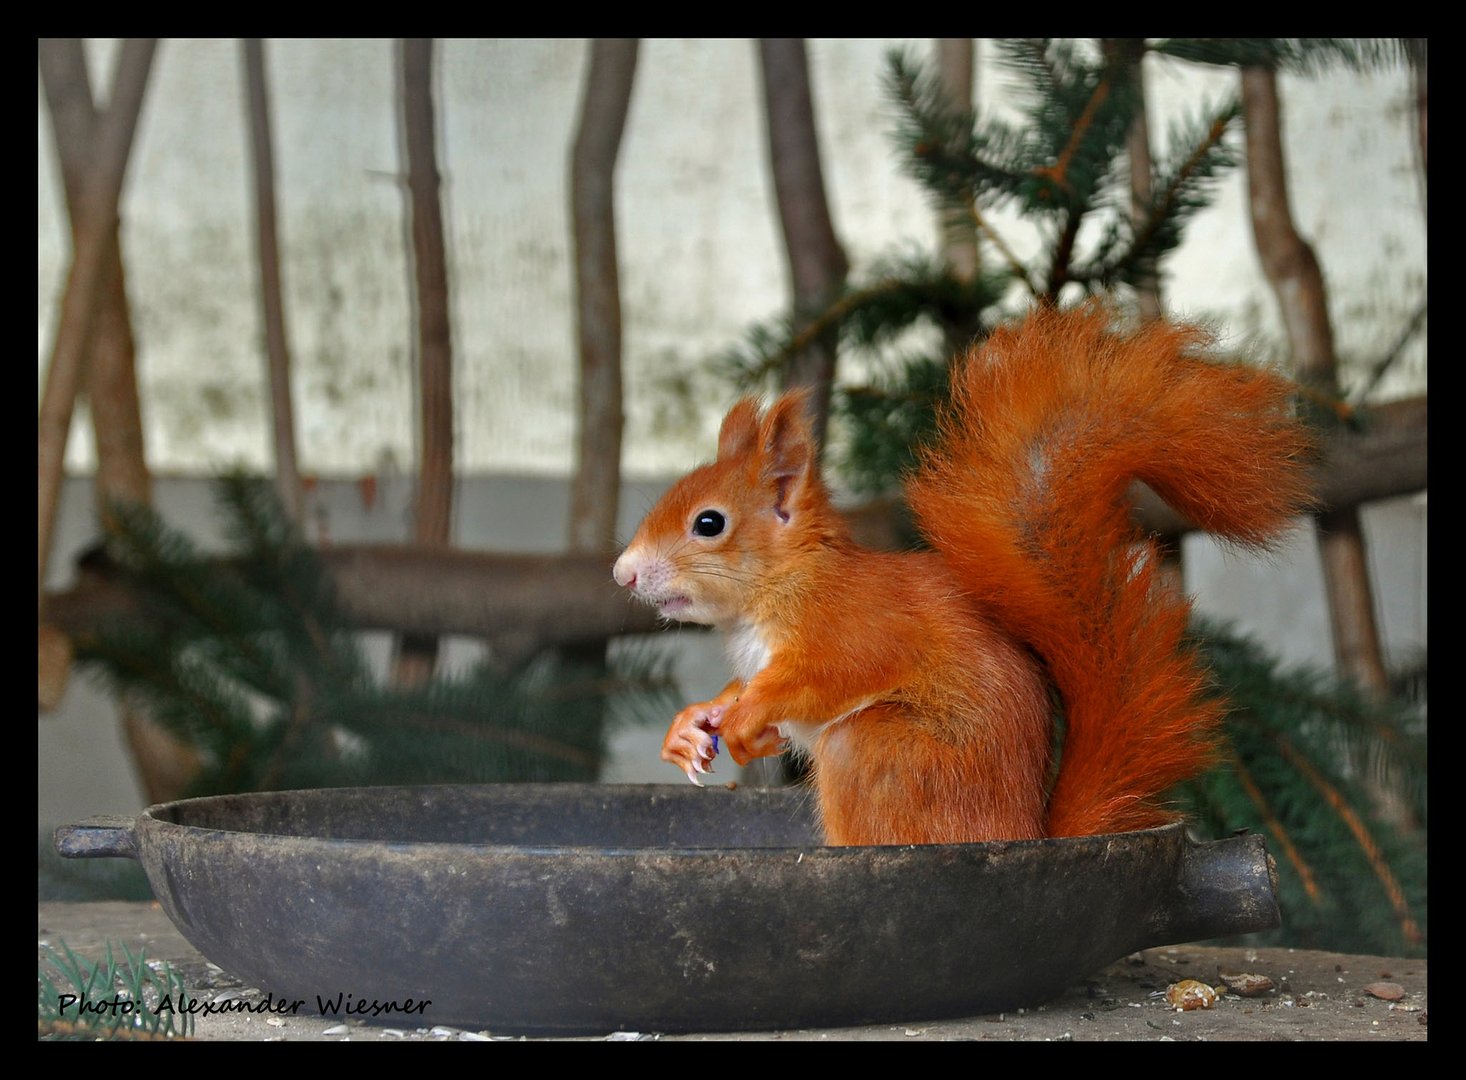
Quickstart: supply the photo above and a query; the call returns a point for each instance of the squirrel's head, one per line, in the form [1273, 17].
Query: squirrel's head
[717, 546]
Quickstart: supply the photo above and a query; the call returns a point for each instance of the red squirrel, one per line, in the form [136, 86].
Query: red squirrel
[921, 684]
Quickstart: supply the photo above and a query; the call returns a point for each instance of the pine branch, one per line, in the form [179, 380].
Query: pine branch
[480, 731]
[281, 562]
[1179, 190]
[1078, 111]
[831, 317]
[1349, 879]
[1080, 118]
[159, 677]
[901, 294]
[196, 598]
[1409, 928]
[133, 981]
[889, 421]
[1275, 826]
[1015, 266]
[1381, 367]
[946, 154]
[254, 666]
[1059, 274]
[1300, 56]
[1058, 172]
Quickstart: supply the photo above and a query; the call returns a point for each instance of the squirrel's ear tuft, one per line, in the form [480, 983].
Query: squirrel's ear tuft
[739, 434]
[788, 442]
[789, 450]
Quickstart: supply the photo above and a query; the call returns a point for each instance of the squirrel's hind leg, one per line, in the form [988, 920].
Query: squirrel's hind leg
[881, 779]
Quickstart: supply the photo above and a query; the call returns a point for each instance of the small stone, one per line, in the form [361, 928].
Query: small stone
[1385, 991]
[1246, 984]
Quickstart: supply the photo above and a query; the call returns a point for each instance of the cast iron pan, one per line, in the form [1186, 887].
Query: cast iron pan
[572, 908]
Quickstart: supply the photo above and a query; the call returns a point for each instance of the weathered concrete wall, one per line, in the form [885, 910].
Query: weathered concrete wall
[699, 241]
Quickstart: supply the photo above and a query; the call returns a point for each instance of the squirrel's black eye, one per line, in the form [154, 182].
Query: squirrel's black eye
[708, 523]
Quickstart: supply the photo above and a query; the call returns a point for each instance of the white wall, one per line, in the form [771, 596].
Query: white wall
[698, 237]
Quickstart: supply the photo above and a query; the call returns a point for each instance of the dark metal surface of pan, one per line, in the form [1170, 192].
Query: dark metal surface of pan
[563, 908]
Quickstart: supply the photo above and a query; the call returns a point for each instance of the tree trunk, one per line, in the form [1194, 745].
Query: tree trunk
[110, 371]
[164, 765]
[417, 655]
[272, 297]
[596, 484]
[1293, 271]
[817, 263]
[1415, 49]
[1129, 52]
[90, 277]
[955, 65]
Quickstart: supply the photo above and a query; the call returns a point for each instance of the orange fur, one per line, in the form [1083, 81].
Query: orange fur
[919, 684]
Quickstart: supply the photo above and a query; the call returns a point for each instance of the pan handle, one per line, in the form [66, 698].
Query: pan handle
[1223, 887]
[106, 836]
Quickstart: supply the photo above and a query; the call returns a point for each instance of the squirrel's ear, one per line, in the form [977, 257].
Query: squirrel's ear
[789, 451]
[739, 434]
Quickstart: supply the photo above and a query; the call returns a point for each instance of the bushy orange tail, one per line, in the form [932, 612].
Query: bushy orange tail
[1025, 495]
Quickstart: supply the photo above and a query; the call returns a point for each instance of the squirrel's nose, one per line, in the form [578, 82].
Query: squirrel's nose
[625, 570]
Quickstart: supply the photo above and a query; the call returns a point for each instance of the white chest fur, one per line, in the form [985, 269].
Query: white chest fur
[748, 652]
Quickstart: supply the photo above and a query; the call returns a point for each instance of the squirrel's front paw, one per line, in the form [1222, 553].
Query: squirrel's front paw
[689, 744]
[748, 734]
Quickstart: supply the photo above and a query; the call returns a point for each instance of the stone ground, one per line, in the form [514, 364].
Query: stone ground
[1315, 996]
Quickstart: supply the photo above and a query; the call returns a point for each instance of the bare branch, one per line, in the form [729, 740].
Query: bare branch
[272, 297]
[94, 232]
[596, 484]
[1293, 271]
[817, 262]
[433, 520]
